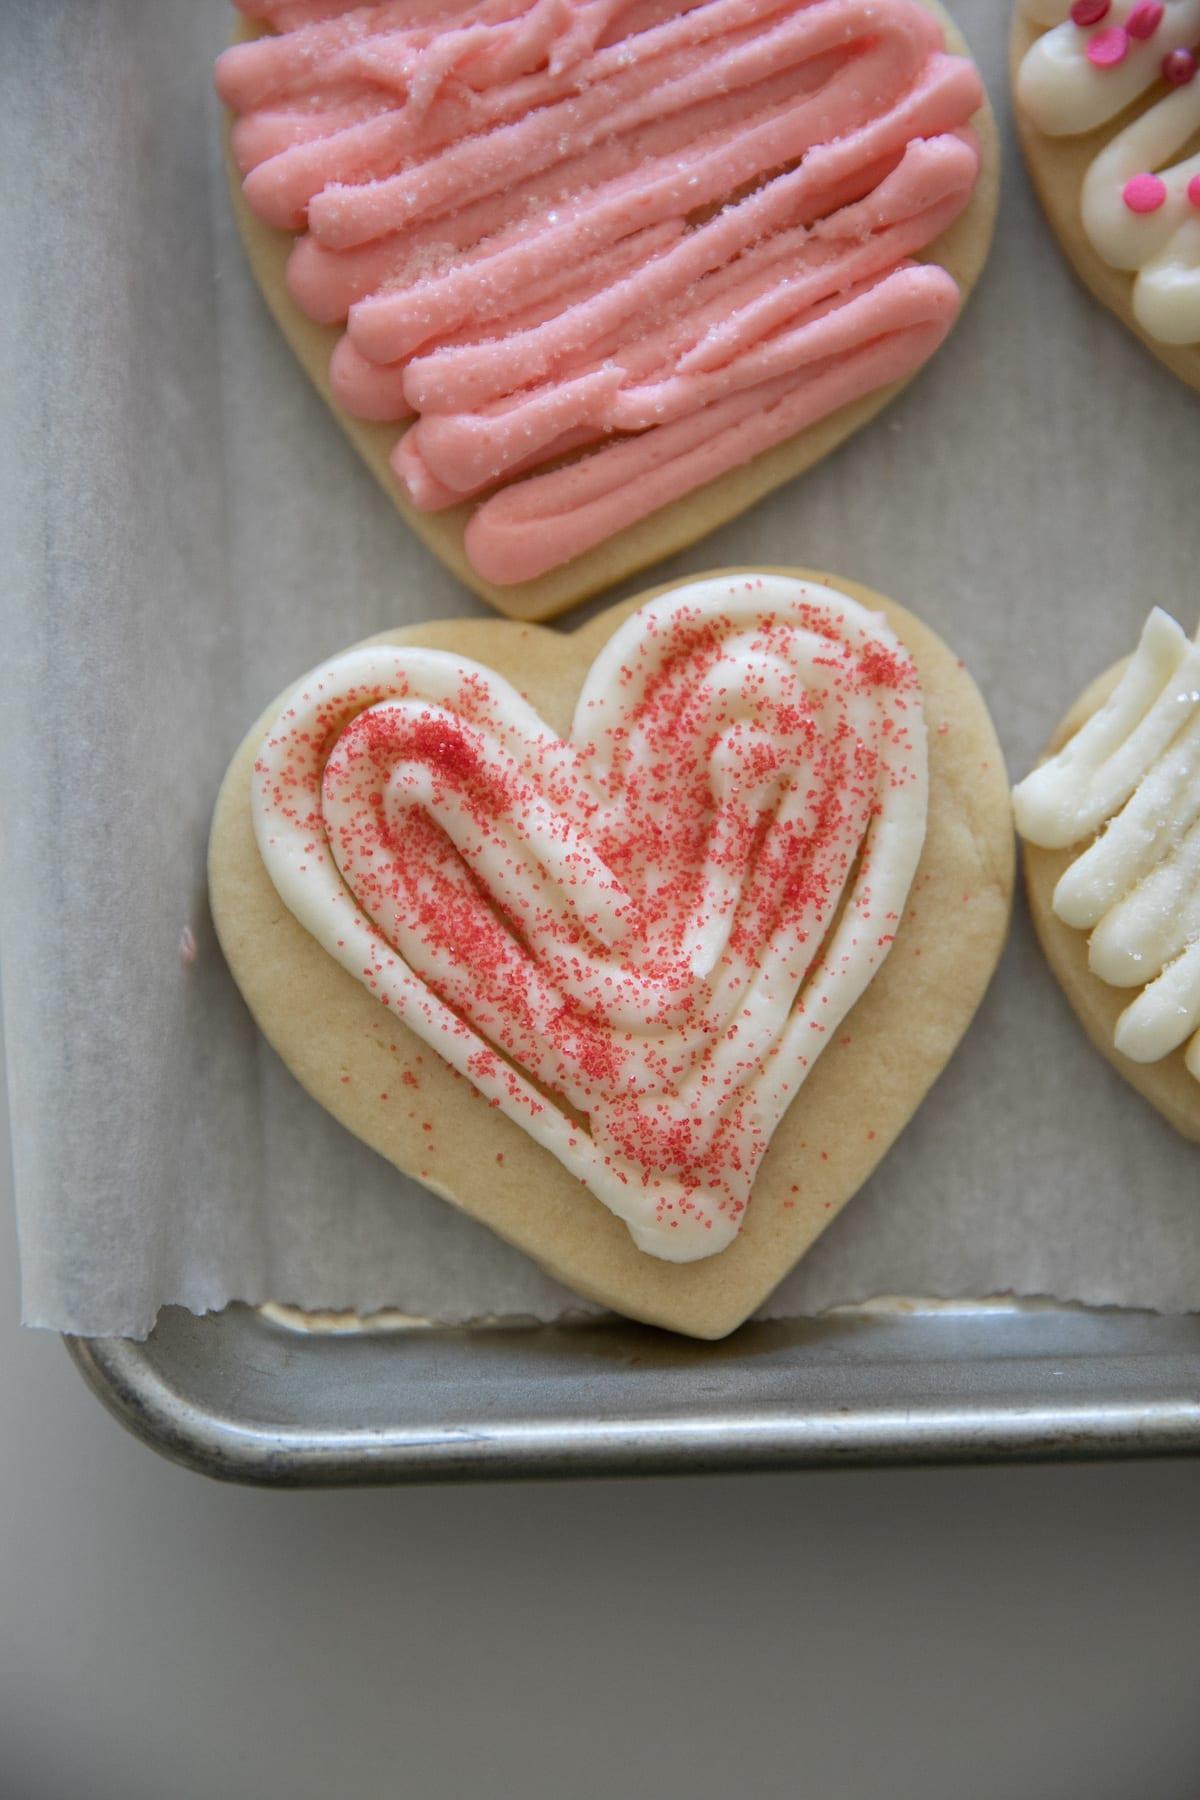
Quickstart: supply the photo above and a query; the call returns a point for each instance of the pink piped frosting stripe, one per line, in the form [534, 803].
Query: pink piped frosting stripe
[658, 241]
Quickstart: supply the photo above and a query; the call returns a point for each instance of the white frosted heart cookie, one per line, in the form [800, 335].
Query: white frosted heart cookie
[1111, 822]
[640, 944]
[1108, 106]
[583, 281]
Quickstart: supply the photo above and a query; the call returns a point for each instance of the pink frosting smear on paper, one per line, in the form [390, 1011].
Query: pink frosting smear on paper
[651, 240]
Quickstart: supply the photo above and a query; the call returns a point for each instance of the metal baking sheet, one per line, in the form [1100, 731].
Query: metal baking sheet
[990, 556]
[247, 1397]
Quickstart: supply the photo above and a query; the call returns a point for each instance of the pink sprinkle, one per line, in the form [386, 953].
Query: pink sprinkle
[1108, 48]
[1193, 190]
[1089, 12]
[1144, 193]
[1145, 19]
[1178, 67]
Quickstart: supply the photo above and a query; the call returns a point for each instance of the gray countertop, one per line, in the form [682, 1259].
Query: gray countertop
[924, 1635]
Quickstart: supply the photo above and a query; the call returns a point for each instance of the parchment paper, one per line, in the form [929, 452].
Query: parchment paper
[184, 530]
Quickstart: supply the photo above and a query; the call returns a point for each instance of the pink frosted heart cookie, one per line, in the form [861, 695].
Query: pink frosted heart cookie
[584, 279]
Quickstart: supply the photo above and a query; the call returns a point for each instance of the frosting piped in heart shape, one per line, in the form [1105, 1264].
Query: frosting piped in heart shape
[635, 941]
[660, 240]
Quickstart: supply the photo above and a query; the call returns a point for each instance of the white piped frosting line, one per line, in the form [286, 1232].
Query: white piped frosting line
[1129, 780]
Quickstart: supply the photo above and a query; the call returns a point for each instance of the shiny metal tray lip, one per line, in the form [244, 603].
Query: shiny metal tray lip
[238, 1396]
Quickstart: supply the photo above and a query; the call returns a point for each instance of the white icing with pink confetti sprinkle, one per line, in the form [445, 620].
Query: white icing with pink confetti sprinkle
[1141, 198]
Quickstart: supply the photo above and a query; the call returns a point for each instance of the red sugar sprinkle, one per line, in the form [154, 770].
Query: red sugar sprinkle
[1145, 19]
[883, 668]
[1108, 47]
[1089, 12]
[1178, 68]
[1144, 193]
[1193, 190]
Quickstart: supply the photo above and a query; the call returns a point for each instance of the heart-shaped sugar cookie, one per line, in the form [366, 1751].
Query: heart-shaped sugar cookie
[650, 994]
[630, 265]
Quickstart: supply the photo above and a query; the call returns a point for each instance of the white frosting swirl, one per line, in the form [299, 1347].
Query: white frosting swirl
[634, 942]
[1129, 780]
[1066, 95]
